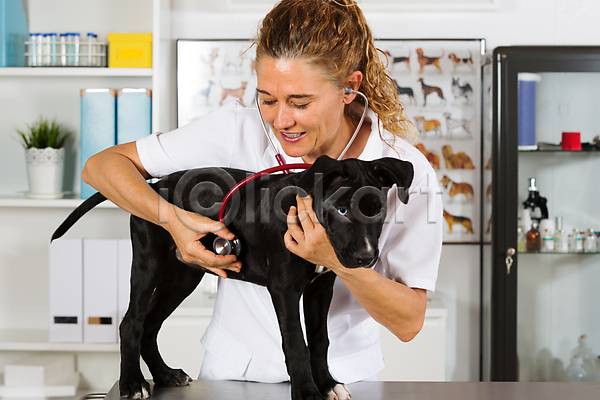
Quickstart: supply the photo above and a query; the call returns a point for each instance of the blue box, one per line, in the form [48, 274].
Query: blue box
[14, 32]
[526, 116]
[98, 126]
[134, 114]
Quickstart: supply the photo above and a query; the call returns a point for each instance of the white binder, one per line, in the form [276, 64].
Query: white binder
[65, 290]
[100, 290]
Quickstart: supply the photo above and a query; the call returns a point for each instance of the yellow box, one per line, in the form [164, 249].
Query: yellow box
[130, 50]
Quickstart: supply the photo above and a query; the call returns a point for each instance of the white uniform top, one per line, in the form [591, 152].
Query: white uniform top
[243, 341]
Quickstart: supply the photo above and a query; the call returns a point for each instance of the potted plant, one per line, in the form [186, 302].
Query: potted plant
[44, 147]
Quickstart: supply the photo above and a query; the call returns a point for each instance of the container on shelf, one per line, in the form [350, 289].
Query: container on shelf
[130, 50]
[66, 50]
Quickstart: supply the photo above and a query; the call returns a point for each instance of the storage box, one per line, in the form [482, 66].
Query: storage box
[39, 369]
[130, 50]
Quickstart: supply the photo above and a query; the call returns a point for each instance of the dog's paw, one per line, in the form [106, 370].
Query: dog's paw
[172, 378]
[134, 390]
[309, 392]
[339, 392]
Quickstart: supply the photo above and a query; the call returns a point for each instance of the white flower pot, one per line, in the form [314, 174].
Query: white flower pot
[45, 168]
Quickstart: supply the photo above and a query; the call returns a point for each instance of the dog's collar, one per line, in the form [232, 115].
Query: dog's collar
[319, 269]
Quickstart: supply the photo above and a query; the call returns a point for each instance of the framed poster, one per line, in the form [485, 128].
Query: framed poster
[439, 83]
[211, 73]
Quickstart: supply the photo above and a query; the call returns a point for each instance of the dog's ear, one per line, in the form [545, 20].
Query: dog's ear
[393, 171]
[326, 167]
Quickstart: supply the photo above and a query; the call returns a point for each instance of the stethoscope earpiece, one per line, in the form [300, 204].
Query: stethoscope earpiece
[224, 247]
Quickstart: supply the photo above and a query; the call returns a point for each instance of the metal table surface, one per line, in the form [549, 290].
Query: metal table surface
[233, 390]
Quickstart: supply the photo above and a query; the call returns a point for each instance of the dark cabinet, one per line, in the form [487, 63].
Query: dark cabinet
[535, 305]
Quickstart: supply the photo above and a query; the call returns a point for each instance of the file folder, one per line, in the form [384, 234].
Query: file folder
[65, 290]
[134, 114]
[100, 290]
[98, 126]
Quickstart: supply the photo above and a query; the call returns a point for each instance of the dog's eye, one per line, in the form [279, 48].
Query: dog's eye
[342, 211]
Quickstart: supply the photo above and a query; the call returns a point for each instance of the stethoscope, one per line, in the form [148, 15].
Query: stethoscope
[222, 246]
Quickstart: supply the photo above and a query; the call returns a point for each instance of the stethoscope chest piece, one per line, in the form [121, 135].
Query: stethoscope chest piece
[224, 247]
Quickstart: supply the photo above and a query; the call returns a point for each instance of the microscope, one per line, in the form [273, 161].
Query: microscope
[534, 200]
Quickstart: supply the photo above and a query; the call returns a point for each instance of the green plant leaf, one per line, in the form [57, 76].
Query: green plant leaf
[42, 134]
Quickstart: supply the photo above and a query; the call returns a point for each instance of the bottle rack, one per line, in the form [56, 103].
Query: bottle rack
[85, 54]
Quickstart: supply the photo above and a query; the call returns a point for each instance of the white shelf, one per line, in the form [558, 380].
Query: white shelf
[37, 340]
[75, 71]
[19, 200]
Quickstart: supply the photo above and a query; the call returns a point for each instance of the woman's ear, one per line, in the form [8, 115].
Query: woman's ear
[353, 81]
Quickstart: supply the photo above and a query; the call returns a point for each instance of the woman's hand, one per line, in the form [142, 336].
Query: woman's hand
[307, 238]
[187, 228]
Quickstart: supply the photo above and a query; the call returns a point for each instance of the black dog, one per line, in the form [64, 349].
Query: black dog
[349, 198]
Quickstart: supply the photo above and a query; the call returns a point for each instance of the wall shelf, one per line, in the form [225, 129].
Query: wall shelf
[75, 72]
[37, 340]
[19, 200]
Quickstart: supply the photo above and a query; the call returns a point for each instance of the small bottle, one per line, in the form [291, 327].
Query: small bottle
[76, 49]
[32, 60]
[547, 241]
[520, 240]
[40, 49]
[585, 353]
[590, 244]
[53, 50]
[533, 241]
[597, 376]
[576, 242]
[561, 239]
[576, 372]
[45, 49]
[63, 49]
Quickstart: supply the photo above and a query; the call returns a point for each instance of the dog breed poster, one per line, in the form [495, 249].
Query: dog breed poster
[438, 82]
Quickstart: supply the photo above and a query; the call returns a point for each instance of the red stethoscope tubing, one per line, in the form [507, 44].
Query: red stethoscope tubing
[279, 168]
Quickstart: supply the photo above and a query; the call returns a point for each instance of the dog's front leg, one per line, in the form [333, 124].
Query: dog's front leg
[317, 299]
[286, 301]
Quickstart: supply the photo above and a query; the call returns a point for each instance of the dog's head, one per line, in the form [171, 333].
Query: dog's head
[350, 200]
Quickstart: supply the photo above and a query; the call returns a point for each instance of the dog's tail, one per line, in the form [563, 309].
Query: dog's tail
[77, 214]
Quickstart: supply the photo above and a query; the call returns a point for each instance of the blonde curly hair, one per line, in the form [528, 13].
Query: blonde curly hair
[334, 35]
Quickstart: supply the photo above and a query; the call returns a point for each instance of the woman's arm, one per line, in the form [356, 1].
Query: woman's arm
[119, 175]
[399, 308]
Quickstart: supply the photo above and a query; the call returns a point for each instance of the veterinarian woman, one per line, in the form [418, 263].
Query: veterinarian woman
[308, 51]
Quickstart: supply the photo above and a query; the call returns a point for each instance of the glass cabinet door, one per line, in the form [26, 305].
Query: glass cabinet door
[546, 160]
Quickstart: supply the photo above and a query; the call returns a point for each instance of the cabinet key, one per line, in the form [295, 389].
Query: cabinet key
[509, 261]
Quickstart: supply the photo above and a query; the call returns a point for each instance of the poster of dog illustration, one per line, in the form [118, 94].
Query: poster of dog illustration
[211, 73]
[439, 83]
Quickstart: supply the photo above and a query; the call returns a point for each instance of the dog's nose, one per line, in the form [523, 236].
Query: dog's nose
[366, 258]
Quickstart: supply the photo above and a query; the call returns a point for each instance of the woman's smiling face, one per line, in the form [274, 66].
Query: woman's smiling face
[304, 109]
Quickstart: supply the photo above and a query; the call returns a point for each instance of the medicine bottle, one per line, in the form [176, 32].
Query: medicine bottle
[547, 241]
[590, 244]
[561, 239]
[533, 240]
[520, 240]
[576, 242]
